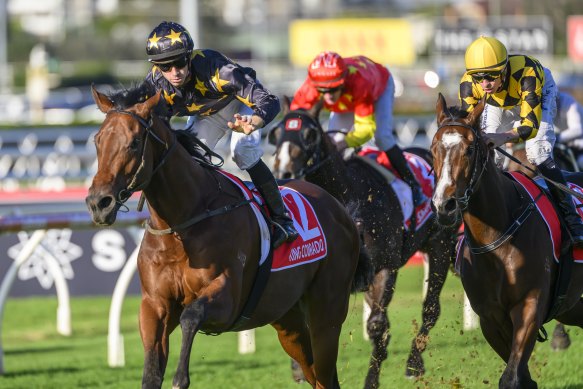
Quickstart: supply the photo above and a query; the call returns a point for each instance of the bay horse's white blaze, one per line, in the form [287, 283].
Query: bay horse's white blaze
[448, 141]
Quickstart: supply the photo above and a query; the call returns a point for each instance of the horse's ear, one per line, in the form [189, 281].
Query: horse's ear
[103, 102]
[315, 110]
[474, 116]
[442, 111]
[273, 135]
[285, 104]
[147, 106]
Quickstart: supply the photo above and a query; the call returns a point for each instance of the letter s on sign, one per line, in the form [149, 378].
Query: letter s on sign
[109, 254]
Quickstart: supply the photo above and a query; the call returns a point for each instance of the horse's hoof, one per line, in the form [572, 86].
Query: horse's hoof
[411, 372]
[297, 372]
[560, 340]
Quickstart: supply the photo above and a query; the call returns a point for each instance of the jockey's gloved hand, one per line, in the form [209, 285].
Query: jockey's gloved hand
[246, 123]
[339, 139]
[498, 139]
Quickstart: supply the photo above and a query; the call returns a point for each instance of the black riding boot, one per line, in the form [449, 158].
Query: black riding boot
[395, 155]
[563, 199]
[267, 186]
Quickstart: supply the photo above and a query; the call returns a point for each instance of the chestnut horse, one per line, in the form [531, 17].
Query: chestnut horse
[305, 150]
[508, 271]
[189, 275]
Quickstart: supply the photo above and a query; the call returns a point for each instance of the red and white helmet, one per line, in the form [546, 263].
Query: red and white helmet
[327, 70]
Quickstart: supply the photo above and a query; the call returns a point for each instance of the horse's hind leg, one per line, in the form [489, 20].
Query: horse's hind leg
[293, 334]
[438, 269]
[190, 320]
[378, 297]
[156, 323]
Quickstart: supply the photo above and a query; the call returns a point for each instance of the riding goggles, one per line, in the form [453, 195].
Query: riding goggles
[488, 76]
[327, 90]
[178, 64]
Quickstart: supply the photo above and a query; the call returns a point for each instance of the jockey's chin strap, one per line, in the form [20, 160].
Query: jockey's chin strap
[134, 186]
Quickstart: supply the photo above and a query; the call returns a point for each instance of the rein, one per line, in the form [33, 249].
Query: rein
[560, 186]
[133, 186]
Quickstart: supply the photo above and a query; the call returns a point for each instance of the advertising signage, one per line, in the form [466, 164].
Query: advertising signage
[534, 37]
[91, 261]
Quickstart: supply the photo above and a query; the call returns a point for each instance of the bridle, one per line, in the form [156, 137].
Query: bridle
[134, 186]
[312, 150]
[477, 172]
[478, 168]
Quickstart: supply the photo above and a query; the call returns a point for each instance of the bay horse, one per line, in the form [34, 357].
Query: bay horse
[304, 150]
[198, 261]
[508, 271]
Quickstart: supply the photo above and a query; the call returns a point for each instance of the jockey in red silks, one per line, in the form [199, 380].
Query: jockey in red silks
[359, 94]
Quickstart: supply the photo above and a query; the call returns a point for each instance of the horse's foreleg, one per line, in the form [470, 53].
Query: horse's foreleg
[438, 268]
[525, 329]
[156, 324]
[190, 320]
[378, 297]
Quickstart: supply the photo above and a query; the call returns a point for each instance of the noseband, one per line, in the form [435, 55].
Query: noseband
[134, 186]
[478, 169]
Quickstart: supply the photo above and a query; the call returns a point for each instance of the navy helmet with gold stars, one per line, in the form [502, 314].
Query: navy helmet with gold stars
[167, 42]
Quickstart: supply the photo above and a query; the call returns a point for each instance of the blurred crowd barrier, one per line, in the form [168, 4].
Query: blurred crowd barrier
[56, 158]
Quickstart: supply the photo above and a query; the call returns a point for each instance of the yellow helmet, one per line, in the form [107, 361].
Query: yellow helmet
[486, 54]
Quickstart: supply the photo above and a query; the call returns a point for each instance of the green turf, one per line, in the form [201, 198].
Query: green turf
[35, 356]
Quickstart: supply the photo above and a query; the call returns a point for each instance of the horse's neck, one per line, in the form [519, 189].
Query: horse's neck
[491, 205]
[332, 176]
[180, 189]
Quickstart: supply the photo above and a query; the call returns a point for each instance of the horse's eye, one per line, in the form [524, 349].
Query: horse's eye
[135, 144]
[470, 150]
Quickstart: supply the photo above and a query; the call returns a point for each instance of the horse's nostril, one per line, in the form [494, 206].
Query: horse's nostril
[105, 202]
[287, 175]
[450, 205]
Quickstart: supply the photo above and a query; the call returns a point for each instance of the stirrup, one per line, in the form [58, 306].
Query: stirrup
[283, 233]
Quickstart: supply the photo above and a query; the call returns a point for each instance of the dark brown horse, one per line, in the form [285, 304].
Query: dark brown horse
[305, 150]
[509, 272]
[200, 255]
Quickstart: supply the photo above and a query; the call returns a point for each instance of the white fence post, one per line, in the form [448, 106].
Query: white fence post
[24, 254]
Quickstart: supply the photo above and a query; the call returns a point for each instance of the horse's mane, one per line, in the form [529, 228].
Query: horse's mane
[138, 93]
[456, 112]
[124, 98]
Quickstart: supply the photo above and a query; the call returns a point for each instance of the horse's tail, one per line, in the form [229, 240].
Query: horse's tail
[365, 271]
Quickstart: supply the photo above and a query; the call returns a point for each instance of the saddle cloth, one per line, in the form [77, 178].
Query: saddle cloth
[310, 246]
[424, 175]
[546, 210]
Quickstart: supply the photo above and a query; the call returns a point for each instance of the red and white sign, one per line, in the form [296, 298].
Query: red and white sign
[575, 37]
[311, 245]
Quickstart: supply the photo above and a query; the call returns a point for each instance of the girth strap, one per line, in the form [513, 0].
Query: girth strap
[207, 214]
